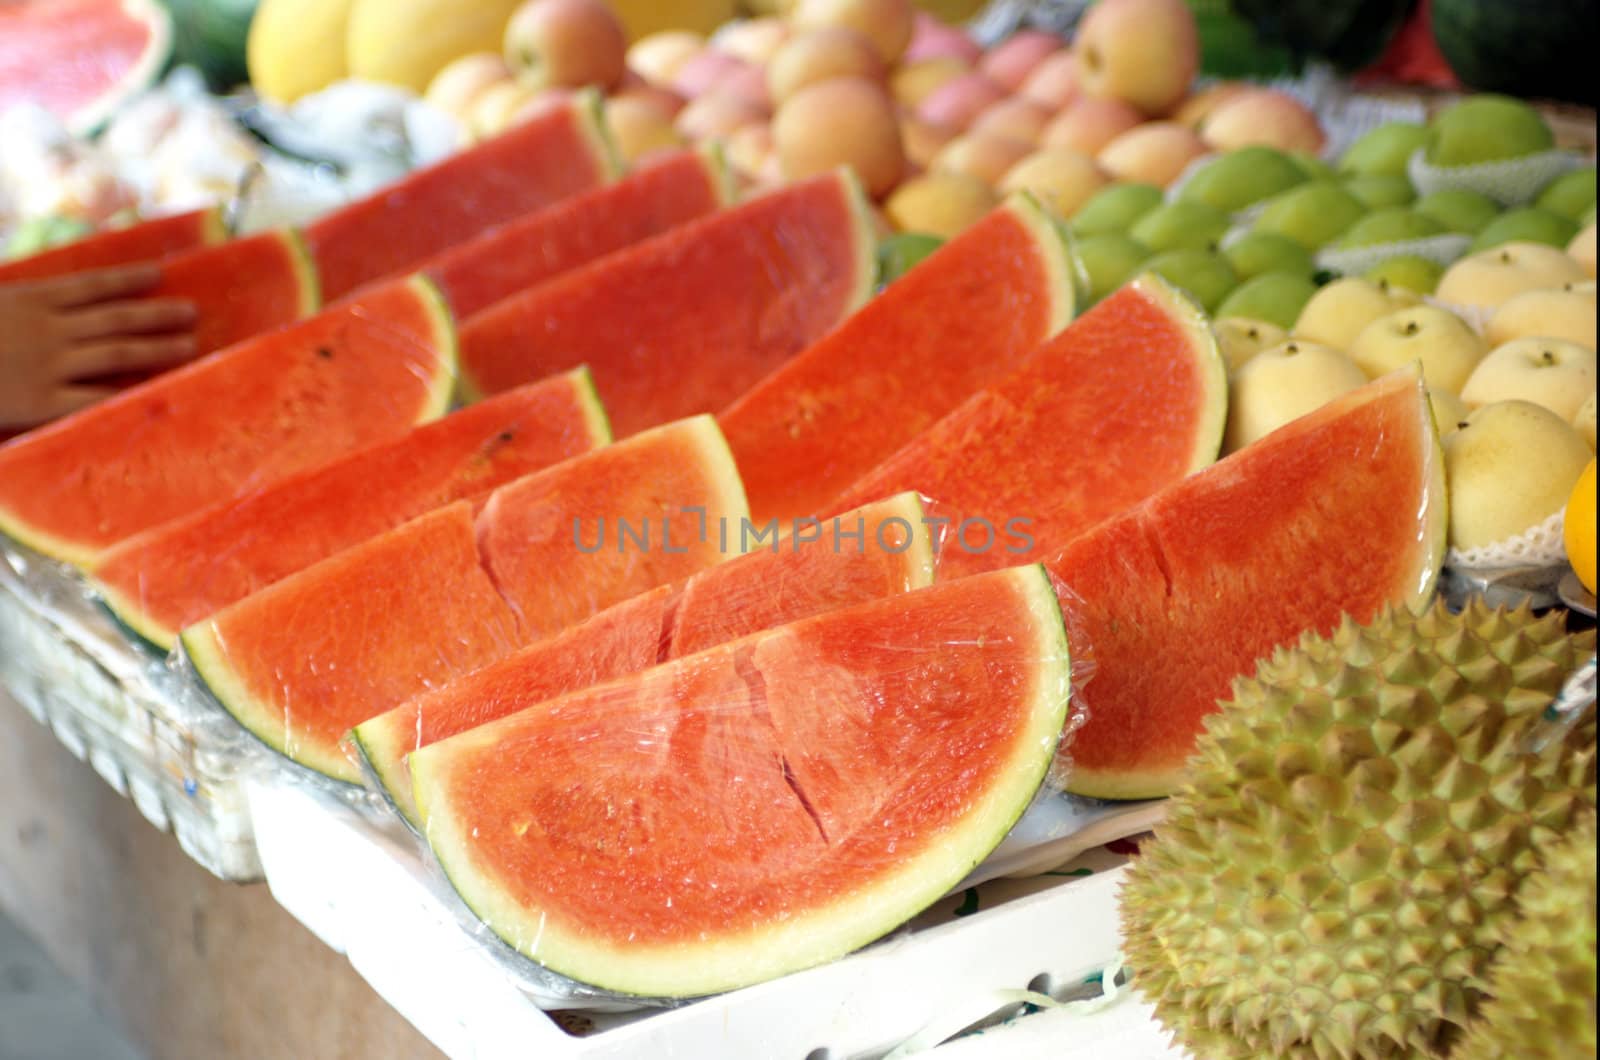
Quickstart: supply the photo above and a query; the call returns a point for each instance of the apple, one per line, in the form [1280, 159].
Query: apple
[1489, 277]
[755, 40]
[1566, 312]
[915, 82]
[1054, 82]
[703, 71]
[1549, 372]
[1178, 224]
[493, 109]
[886, 23]
[941, 204]
[1009, 63]
[1110, 259]
[749, 147]
[1196, 107]
[1379, 190]
[1584, 420]
[459, 84]
[1570, 195]
[567, 43]
[1263, 116]
[1240, 178]
[1276, 297]
[1087, 125]
[1014, 118]
[1448, 349]
[958, 102]
[640, 126]
[1240, 338]
[657, 57]
[1510, 467]
[1384, 151]
[1394, 224]
[932, 38]
[1062, 178]
[716, 115]
[1144, 52]
[1337, 313]
[1581, 249]
[1458, 209]
[988, 158]
[1205, 274]
[846, 121]
[1313, 214]
[1486, 128]
[1115, 208]
[1408, 271]
[1449, 411]
[923, 140]
[1255, 253]
[1281, 384]
[1528, 224]
[1153, 153]
[818, 54]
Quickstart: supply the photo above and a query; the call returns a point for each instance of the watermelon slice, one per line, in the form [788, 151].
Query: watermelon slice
[230, 423]
[303, 661]
[560, 153]
[1129, 399]
[684, 323]
[957, 322]
[884, 549]
[143, 241]
[765, 806]
[80, 59]
[178, 573]
[575, 231]
[1339, 512]
[243, 287]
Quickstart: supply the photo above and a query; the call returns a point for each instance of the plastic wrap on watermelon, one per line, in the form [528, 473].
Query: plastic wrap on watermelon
[771, 803]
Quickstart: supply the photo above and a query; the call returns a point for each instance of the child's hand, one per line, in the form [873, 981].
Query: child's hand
[55, 334]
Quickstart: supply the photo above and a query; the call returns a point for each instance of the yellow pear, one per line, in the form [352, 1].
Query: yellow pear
[1449, 411]
[1566, 312]
[1240, 338]
[296, 47]
[1581, 250]
[1584, 420]
[1282, 384]
[407, 42]
[1549, 372]
[1492, 276]
[1509, 469]
[1448, 349]
[1336, 314]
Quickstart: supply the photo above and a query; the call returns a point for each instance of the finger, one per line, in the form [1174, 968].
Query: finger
[68, 399]
[97, 285]
[130, 318]
[125, 355]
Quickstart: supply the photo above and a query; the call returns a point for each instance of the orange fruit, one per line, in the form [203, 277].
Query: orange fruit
[1578, 528]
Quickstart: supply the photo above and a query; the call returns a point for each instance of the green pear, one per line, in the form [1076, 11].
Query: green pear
[1115, 208]
[1179, 225]
[1458, 209]
[1257, 252]
[1276, 297]
[1313, 167]
[1486, 128]
[1384, 151]
[1571, 195]
[1110, 258]
[1392, 225]
[1528, 224]
[1242, 177]
[1313, 214]
[1205, 274]
[902, 252]
[1408, 271]
[1378, 190]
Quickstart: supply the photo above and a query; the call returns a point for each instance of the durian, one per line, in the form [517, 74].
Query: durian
[1542, 985]
[1331, 878]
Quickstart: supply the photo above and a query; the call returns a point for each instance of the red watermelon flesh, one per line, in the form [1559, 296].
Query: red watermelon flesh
[765, 806]
[143, 241]
[230, 423]
[178, 573]
[305, 660]
[1127, 400]
[685, 322]
[243, 287]
[957, 322]
[79, 59]
[575, 231]
[541, 161]
[1339, 512]
[883, 549]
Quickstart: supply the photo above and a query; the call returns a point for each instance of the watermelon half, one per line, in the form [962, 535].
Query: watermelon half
[145, 240]
[230, 423]
[173, 575]
[80, 59]
[303, 661]
[1340, 512]
[761, 807]
[823, 569]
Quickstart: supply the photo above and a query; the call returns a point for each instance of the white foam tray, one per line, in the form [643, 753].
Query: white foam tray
[364, 893]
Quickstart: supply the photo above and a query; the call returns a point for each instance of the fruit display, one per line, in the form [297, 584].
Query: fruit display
[702, 471]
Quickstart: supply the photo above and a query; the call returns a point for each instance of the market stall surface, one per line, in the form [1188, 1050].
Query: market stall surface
[43, 1015]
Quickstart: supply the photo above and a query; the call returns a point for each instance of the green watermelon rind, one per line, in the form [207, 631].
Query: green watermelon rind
[1187, 315]
[589, 106]
[304, 269]
[1054, 241]
[687, 969]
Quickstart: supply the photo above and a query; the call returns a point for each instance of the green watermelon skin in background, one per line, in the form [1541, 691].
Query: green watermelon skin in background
[1535, 49]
